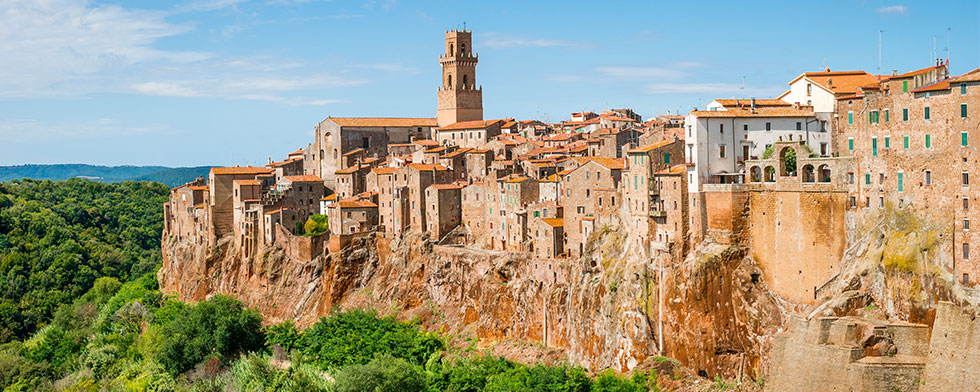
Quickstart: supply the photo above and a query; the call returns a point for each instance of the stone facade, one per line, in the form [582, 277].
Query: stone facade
[459, 98]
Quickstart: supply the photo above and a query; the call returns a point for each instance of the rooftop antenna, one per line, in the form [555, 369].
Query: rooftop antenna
[743, 86]
[464, 25]
[934, 53]
[947, 42]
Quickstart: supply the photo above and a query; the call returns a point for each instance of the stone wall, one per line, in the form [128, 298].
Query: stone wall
[954, 351]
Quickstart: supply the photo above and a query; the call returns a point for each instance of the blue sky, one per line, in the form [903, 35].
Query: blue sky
[228, 82]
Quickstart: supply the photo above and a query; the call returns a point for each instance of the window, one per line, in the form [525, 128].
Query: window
[867, 179]
[905, 86]
[881, 201]
[721, 128]
[905, 114]
[853, 201]
[964, 139]
[966, 224]
[966, 178]
[928, 140]
[850, 178]
[850, 144]
[881, 178]
[905, 142]
[886, 115]
[888, 143]
[901, 187]
[966, 250]
[721, 151]
[925, 113]
[809, 89]
[928, 178]
[587, 193]
[745, 127]
[963, 110]
[667, 158]
[966, 203]
[799, 126]
[768, 126]
[850, 117]
[874, 146]
[962, 88]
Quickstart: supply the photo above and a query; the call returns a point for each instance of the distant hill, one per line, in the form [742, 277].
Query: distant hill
[166, 175]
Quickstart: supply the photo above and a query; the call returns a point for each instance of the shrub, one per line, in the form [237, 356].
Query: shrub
[355, 336]
[384, 373]
[220, 326]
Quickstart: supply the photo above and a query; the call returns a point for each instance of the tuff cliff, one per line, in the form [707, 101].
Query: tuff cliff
[599, 311]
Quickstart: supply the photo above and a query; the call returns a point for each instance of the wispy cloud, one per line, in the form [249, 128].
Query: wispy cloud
[501, 41]
[709, 88]
[893, 10]
[32, 130]
[207, 5]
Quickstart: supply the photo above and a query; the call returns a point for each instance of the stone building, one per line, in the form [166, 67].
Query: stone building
[641, 190]
[547, 237]
[382, 180]
[914, 140]
[443, 204]
[220, 183]
[417, 177]
[473, 134]
[577, 199]
[460, 99]
[475, 201]
[478, 163]
[353, 215]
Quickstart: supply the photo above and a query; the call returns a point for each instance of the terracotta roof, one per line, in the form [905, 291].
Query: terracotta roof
[650, 147]
[456, 153]
[354, 151]
[401, 145]
[426, 142]
[426, 167]
[384, 170]
[447, 186]
[198, 206]
[297, 152]
[477, 151]
[611, 163]
[476, 124]
[332, 197]
[840, 82]
[551, 178]
[971, 76]
[356, 203]
[221, 171]
[248, 182]
[436, 150]
[273, 212]
[553, 222]
[304, 178]
[383, 121]
[937, 86]
[283, 163]
[350, 170]
[198, 187]
[917, 72]
[748, 102]
[676, 169]
[517, 179]
[760, 111]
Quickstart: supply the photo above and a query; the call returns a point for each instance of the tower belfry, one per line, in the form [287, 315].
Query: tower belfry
[460, 98]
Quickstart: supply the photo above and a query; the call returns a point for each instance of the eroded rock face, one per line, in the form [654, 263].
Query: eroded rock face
[599, 311]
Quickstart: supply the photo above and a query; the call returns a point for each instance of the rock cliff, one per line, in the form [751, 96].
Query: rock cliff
[600, 311]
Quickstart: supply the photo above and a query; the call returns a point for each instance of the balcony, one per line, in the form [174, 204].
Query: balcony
[658, 214]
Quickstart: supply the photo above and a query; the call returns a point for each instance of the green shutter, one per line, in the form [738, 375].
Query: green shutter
[926, 113]
[900, 187]
[963, 88]
[874, 146]
[964, 139]
[871, 117]
[886, 115]
[963, 110]
[867, 179]
[634, 183]
[888, 142]
[667, 158]
[905, 86]
[928, 141]
[905, 114]
[850, 117]
[850, 144]
[905, 142]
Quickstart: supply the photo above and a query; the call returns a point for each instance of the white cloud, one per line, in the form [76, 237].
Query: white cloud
[32, 130]
[46, 43]
[709, 88]
[164, 89]
[893, 10]
[499, 41]
[208, 5]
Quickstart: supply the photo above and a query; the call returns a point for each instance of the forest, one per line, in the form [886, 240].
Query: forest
[80, 310]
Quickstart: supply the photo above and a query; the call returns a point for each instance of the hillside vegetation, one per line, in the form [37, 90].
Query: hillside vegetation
[169, 176]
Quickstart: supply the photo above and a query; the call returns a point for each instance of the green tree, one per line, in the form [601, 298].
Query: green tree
[219, 327]
[316, 225]
[384, 373]
[356, 336]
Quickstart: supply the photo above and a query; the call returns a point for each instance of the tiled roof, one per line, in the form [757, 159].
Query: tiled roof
[239, 170]
[917, 72]
[297, 152]
[748, 102]
[477, 151]
[426, 142]
[354, 151]
[937, 86]
[427, 167]
[383, 121]
[384, 170]
[350, 170]
[456, 153]
[760, 111]
[971, 76]
[356, 203]
[248, 182]
[447, 186]
[198, 187]
[476, 124]
[517, 179]
[611, 163]
[676, 169]
[650, 147]
[435, 150]
[283, 163]
[304, 178]
[273, 212]
[332, 197]
[553, 222]
[840, 82]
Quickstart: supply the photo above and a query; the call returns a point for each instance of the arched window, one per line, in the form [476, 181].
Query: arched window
[770, 174]
[449, 82]
[756, 174]
[450, 49]
[462, 48]
[808, 175]
[465, 81]
[787, 161]
[824, 173]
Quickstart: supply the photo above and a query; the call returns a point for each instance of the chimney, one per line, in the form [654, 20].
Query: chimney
[826, 69]
[830, 83]
[753, 105]
[894, 72]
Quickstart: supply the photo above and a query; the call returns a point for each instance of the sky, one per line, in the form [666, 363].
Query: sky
[233, 82]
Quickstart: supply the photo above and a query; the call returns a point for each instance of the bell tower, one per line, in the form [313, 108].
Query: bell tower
[460, 98]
